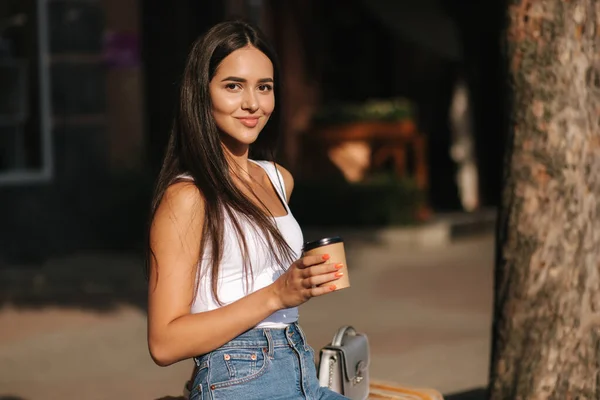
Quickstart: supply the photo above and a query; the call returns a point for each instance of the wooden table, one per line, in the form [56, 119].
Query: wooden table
[388, 141]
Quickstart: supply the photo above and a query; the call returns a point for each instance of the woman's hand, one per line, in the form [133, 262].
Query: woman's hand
[308, 277]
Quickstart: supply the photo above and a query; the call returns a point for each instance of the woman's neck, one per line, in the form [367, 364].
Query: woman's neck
[239, 165]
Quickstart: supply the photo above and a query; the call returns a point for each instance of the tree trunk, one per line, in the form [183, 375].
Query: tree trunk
[547, 291]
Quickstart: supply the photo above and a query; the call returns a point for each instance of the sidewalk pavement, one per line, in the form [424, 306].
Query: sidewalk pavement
[427, 311]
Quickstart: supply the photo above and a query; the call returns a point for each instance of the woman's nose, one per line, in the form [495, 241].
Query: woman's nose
[250, 102]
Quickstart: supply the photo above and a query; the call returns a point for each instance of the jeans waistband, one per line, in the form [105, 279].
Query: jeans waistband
[267, 338]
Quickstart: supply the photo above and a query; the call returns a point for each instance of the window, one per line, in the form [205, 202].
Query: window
[25, 109]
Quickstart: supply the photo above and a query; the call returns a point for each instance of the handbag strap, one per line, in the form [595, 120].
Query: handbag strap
[338, 338]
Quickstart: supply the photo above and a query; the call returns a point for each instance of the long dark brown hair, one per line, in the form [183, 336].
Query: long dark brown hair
[195, 149]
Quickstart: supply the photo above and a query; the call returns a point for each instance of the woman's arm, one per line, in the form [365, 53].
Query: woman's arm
[174, 333]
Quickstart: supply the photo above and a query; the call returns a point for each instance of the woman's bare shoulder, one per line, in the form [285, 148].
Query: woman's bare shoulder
[181, 202]
[288, 180]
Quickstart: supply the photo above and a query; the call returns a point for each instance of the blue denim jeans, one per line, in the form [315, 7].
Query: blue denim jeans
[260, 364]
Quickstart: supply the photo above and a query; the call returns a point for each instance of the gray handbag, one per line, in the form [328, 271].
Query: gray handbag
[344, 364]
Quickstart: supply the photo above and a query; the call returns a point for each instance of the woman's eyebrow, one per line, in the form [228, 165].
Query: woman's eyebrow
[242, 80]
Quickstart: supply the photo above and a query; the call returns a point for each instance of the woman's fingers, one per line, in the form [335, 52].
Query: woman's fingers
[321, 279]
[308, 277]
[320, 274]
[321, 290]
[321, 269]
[309, 261]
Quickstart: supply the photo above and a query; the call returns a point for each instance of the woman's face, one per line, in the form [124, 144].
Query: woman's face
[242, 95]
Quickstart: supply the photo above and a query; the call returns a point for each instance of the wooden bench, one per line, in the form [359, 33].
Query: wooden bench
[392, 391]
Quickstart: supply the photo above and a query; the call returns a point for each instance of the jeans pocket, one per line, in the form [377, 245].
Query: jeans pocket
[199, 378]
[234, 366]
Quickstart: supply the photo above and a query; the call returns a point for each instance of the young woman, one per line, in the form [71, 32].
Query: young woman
[225, 269]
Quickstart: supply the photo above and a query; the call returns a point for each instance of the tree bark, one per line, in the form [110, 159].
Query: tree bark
[547, 290]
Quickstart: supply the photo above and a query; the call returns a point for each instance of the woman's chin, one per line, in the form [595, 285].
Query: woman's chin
[239, 143]
[247, 137]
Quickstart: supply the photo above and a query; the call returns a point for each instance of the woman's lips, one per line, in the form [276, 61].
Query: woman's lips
[249, 122]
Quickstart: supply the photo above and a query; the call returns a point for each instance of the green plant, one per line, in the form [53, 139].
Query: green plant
[396, 109]
[378, 201]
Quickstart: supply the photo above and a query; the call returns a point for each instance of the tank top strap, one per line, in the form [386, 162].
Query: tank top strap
[275, 177]
[272, 172]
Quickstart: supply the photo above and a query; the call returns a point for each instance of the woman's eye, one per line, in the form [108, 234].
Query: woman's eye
[232, 86]
[265, 88]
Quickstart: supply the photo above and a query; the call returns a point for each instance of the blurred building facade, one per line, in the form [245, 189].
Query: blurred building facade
[102, 84]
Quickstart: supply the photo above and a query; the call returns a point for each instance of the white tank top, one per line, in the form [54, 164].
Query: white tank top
[232, 282]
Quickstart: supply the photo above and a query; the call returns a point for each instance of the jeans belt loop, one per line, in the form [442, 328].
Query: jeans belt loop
[304, 343]
[271, 350]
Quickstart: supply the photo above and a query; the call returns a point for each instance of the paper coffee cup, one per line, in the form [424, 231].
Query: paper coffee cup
[334, 246]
